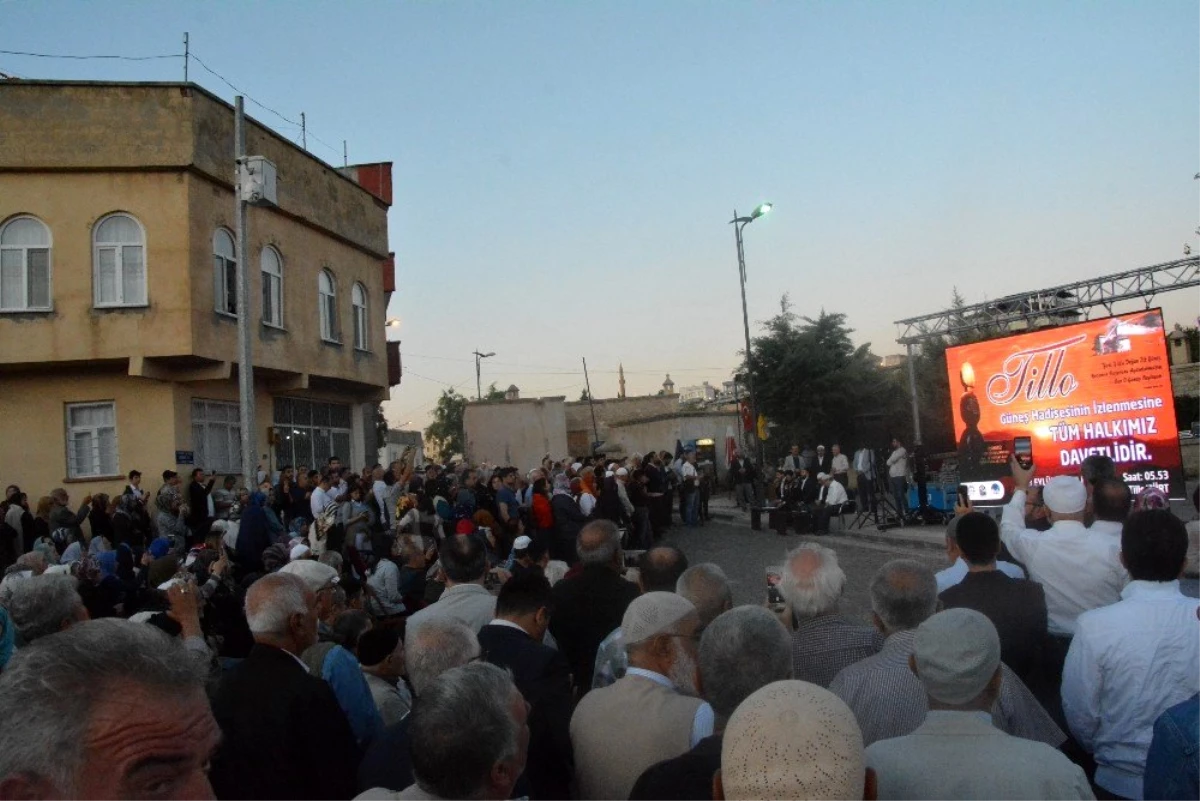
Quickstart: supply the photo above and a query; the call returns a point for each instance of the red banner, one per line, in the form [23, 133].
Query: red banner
[1099, 387]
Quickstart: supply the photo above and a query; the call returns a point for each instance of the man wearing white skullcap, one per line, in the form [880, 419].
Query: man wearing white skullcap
[958, 752]
[651, 713]
[1080, 569]
[792, 739]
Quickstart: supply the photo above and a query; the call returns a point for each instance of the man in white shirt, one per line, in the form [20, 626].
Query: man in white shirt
[958, 569]
[690, 487]
[864, 467]
[897, 465]
[380, 489]
[839, 466]
[829, 501]
[1132, 660]
[1079, 569]
[1111, 503]
[320, 497]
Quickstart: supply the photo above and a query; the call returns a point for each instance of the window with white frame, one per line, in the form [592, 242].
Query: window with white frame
[272, 287]
[358, 298]
[24, 265]
[119, 262]
[92, 440]
[224, 273]
[327, 291]
[216, 435]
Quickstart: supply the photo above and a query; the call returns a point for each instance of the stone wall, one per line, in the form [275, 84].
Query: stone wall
[515, 432]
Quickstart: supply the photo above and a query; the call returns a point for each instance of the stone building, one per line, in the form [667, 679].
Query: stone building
[118, 326]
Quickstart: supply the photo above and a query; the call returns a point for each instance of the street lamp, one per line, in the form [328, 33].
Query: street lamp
[738, 224]
[478, 384]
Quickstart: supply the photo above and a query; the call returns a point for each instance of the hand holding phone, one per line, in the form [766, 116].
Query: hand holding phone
[1023, 451]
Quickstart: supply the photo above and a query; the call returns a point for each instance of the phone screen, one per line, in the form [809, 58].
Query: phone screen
[774, 597]
[1023, 451]
[964, 494]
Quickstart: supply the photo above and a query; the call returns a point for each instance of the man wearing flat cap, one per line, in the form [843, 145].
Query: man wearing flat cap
[652, 712]
[958, 752]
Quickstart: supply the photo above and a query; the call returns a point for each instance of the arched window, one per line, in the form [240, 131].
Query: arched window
[358, 299]
[224, 273]
[24, 265]
[327, 289]
[119, 262]
[272, 287]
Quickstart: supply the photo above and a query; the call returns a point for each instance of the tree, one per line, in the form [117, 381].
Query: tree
[493, 392]
[812, 381]
[584, 395]
[381, 428]
[445, 434]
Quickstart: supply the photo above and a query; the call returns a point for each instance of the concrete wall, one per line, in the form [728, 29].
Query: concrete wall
[1185, 379]
[611, 411]
[660, 433]
[518, 432]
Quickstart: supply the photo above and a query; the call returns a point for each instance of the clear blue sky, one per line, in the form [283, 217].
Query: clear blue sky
[565, 171]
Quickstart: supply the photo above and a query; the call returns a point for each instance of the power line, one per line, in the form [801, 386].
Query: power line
[89, 58]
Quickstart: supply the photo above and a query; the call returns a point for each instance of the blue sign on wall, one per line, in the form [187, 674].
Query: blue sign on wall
[185, 457]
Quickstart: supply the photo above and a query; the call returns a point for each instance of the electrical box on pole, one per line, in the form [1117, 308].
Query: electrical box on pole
[257, 183]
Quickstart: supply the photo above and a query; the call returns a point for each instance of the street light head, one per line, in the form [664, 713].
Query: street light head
[393, 322]
[761, 210]
[485, 355]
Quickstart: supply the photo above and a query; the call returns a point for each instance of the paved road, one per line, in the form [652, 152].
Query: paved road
[744, 554]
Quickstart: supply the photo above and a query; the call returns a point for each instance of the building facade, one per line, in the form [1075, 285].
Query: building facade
[118, 312]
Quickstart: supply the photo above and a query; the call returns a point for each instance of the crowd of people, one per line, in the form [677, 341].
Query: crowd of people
[478, 632]
[811, 486]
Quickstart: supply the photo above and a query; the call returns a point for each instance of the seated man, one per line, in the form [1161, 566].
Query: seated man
[1131, 661]
[652, 712]
[887, 698]
[823, 642]
[1016, 607]
[469, 737]
[106, 709]
[830, 500]
[958, 752]
[952, 575]
[742, 651]
[792, 739]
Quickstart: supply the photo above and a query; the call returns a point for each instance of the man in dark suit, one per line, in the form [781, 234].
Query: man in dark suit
[514, 641]
[591, 604]
[198, 518]
[1016, 607]
[284, 735]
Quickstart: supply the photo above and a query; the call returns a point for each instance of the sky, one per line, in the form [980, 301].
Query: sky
[565, 171]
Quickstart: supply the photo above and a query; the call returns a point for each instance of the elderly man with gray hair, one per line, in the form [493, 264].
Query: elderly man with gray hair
[708, 588]
[741, 651]
[284, 734]
[106, 709]
[652, 712]
[958, 752]
[46, 604]
[823, 642]
[888, 700]
[435, 648]
[470, 737]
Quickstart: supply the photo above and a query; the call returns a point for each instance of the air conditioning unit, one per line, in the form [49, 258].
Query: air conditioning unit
[256, 175]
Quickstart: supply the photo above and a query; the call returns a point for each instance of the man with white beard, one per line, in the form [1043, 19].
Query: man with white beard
[652, 713]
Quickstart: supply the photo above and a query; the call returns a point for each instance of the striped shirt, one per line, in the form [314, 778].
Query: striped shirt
[889, 701]
[822, 646]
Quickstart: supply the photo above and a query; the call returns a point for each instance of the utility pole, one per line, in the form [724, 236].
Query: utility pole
[591, 406]
[187, 56]
[245, 357]
[912, 388]
[303, 131]
[478, 383]
[738, 224]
